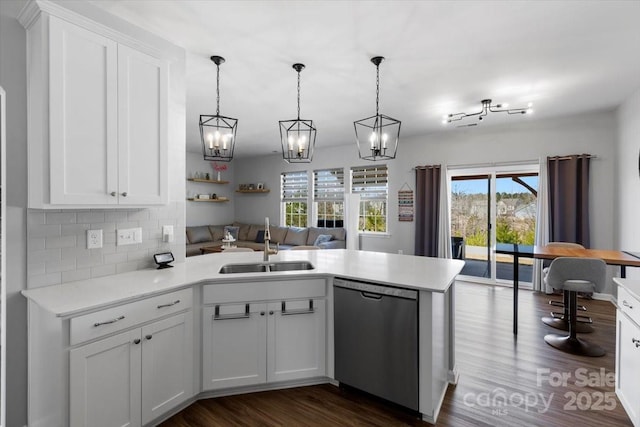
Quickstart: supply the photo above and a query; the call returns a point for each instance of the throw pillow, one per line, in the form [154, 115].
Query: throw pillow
[322, 238]
[260, 236]
[232, 230]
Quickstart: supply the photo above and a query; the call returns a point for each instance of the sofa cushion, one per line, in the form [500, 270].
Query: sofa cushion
[243, 230]
[232, 230]
[322, 238]
[217, 231]
[259, 237]
[198, 234]
[278, 234]
[338, 233]
[253, 232]
[296, 236]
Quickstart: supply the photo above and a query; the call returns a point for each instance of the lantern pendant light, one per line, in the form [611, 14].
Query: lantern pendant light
[298, 136]
[218, 133]
[377, 136]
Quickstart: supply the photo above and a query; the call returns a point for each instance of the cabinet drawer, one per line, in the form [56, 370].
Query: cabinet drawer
[264, 291]
[629, 304]
[103, 322]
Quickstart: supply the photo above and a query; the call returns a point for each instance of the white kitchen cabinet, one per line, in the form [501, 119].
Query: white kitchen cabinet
[277, 335]
[253, 343]
[97, 118]
[105, 380]
[234, 343]
[628, 353]
[133, 377]
[296, 340]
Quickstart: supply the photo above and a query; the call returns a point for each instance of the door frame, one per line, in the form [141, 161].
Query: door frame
[491, 171]
[3, 249]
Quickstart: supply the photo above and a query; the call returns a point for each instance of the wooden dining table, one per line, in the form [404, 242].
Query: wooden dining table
[618, 258]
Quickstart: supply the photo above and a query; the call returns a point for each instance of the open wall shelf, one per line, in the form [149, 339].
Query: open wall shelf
[208, 181]
[218, 200]
[253, 191]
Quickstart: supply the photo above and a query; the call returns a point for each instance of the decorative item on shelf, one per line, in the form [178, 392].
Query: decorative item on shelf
[203, 197]
[218, 133]
[377, 136]
[485, 109]
[219, 168]
[207, 176]
[298, 136]
[251, 187]
[260, 186]
[214, 196]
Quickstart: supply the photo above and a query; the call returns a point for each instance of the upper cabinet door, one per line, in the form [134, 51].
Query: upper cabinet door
[142, 128]
[83, 114]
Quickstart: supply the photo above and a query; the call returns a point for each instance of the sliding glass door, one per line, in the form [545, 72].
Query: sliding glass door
[488, 206]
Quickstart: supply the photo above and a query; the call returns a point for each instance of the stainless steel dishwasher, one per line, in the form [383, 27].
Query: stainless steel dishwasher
[376, 340]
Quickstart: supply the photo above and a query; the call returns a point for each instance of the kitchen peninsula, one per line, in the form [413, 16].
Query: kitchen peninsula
[152, 335]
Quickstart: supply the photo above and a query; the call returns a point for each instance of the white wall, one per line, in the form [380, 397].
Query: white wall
[13, 78]
[204, 213]
[593, 133]
[628, 179]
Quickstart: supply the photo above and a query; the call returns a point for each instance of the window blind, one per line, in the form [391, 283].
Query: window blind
[370, 182]
[328, 185]
[295, 186]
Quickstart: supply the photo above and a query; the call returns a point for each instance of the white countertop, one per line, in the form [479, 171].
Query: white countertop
[421, 273]
[631, 285]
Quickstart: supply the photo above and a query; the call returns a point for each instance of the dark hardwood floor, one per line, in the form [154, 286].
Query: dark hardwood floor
[504, 380]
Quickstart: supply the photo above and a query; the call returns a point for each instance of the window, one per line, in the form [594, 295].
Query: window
[371, 183]
[328, 195]
[295, 188]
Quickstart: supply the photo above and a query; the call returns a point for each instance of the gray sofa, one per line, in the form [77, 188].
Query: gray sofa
[248, 236]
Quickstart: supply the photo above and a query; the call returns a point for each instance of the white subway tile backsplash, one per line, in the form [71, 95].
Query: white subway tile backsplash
[73, 275]
[90, 217]
[62, 265]
[103, 270]
[61, 242]
[57, 242]
[42, 230]
[60, 217]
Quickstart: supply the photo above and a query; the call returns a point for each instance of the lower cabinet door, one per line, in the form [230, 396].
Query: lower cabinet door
[296, 340]
[105, 382]
[234, 342]
[627, 366]
[167, 365]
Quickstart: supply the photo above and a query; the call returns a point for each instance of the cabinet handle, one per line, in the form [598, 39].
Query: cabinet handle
[636, 342]
[148, 337]
[271, 313]
[169, 304]
[107, 322]
[136, 341]
[262, 313]
[124, 194]
[626, 304]
[113, 194]
[293, 312]
[218, 316]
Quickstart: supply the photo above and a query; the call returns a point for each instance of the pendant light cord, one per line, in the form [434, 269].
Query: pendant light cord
[217, 89]
[377, 87]
[298, 95]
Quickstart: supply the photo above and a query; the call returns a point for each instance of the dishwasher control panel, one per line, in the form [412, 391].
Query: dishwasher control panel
[376, 289]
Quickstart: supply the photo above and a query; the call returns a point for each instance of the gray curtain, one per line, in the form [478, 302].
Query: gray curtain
[427, 208]
[569, 199]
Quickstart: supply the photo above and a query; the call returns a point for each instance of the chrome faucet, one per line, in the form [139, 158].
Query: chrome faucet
[267, 240]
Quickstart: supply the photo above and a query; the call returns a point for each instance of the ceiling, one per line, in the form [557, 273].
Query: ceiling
[567, 57]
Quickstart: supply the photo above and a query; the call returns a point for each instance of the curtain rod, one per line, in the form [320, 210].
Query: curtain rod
[484, 165]
[588, 156]
[427, 167]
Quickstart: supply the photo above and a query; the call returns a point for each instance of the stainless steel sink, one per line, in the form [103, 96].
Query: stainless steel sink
[290, 266]
[243, 268]
[264, 267]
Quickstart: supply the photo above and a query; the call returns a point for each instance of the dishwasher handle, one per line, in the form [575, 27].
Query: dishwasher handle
[369, 295]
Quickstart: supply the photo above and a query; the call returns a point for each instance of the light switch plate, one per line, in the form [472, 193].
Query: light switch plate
[128, 236]
[167, 233]
[94, 239]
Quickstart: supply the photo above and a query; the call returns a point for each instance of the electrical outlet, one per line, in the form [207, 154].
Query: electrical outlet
[167, 233]
[129, 236]
[94, 239]
[400, 251]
